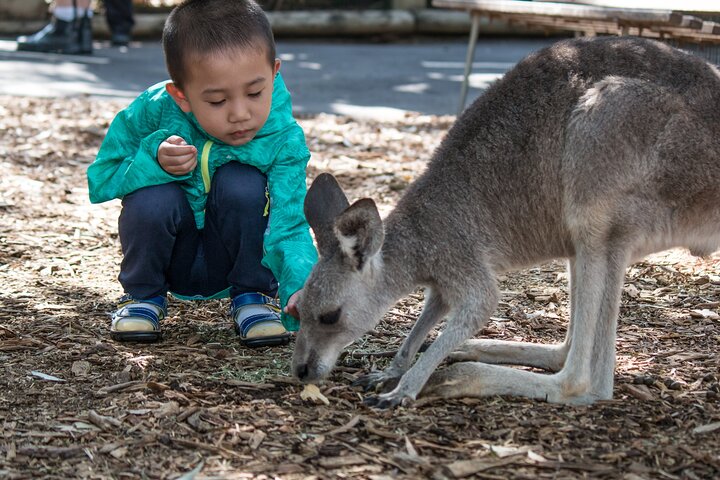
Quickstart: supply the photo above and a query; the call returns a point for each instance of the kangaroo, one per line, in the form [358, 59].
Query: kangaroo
[599, 151]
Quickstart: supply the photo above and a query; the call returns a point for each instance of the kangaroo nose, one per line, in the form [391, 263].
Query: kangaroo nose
[301, 371]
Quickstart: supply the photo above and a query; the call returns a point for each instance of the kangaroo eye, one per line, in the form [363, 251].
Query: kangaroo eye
[330, 317]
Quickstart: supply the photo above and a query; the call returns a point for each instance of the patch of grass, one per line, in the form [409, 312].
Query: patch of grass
[252, 373]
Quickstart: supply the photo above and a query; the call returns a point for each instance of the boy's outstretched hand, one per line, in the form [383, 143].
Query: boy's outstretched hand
[291, 307]
[176, 157]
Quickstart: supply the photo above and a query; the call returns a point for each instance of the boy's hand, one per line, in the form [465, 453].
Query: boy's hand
[177, 157]
[291, 307]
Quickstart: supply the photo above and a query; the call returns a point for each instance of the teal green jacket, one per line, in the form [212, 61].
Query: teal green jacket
[127, 161]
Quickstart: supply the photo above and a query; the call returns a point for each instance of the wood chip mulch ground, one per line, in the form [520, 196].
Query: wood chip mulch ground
[75, 404]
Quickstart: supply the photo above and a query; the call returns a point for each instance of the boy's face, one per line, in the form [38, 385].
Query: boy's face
[229, 93]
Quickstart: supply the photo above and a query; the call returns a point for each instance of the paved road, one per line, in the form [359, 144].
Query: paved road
[361, 79]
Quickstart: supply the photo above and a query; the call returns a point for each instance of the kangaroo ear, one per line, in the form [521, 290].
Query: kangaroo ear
[359, 231]
[324, 201]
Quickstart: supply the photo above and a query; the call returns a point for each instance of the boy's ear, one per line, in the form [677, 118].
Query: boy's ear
[178, 96]
[276, 67]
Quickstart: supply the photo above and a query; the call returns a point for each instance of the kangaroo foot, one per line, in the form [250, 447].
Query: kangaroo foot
[380, 381]
[388, 400]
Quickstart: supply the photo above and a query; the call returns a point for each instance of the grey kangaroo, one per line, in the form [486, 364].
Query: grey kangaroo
[600, 151]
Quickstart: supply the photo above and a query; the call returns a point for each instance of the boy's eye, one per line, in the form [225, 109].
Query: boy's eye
[217, 103]
[255, 95]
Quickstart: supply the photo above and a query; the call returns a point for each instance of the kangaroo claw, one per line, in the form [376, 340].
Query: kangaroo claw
[365, 382]
[387, 401]
[376, 401]
[376, 381]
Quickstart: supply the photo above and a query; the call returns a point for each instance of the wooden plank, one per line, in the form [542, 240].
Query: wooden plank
[689, 35]
[559, 9]
[711, 28]
[678, 5]
[689, 21]
[592, 19]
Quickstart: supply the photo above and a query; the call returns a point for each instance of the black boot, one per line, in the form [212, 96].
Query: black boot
[60, 36]
[120, 39]
[85, 33]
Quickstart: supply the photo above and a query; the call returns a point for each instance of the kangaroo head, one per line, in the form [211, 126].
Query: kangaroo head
[337, 305]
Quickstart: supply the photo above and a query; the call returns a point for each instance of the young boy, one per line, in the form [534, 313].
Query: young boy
[210, 167]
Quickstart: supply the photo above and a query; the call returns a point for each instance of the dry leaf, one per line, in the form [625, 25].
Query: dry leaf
[704, 313]
[119, 452]
[167, 409]
[80, 368]
[312, 392]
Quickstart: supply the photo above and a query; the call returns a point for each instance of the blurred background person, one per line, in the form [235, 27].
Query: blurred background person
[119, 15]
[70, 29]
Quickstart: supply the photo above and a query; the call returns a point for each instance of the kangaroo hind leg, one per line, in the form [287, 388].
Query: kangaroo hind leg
[587, 374]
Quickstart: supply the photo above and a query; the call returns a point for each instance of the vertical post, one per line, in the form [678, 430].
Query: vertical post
[474, 30]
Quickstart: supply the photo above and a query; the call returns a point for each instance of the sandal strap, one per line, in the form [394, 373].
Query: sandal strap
[158, 301]
[152, 309]
[139, 312]
[252, 299]
[244, 325]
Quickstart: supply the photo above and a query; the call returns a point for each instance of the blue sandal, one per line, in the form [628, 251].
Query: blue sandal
[138, 320]
[256, 318]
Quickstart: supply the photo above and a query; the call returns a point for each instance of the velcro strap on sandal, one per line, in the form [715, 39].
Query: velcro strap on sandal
[147, 313]
[152, 309]
[253, 299]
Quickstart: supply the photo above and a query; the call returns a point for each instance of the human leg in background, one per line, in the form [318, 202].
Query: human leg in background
[235, 224]
[69, 31]
[119, 15]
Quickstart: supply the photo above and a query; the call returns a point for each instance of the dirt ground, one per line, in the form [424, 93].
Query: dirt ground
[75, 404]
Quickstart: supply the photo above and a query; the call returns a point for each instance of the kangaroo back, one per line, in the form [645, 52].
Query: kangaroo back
[596, 150]
[579, 121]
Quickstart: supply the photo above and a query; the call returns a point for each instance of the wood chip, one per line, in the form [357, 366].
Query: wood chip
[102, 421]
[256, 439]
[465, 468]
[117, 388]
[45, 376]
[710, 427]
[80, 368]
[344, 461]
[345, 428]
[641, 392]
[207, 447]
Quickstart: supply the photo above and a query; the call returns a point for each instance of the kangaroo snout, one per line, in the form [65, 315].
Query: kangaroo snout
[307, 364]
[310, 370]
[302, 371]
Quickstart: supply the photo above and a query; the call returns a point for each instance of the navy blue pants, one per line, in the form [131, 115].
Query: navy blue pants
[119, 15]
[163, 250]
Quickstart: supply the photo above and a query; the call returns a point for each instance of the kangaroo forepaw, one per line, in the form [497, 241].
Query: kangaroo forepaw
[377, 381]
[386, 401]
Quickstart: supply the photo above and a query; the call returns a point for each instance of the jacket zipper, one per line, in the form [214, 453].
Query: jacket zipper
[205, 164]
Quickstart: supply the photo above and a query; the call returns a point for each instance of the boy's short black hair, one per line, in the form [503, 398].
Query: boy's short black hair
[205, 27]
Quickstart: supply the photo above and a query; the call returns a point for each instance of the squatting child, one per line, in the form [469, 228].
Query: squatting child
[210, 167]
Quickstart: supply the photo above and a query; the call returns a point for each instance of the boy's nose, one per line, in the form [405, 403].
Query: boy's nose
[239, 113]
